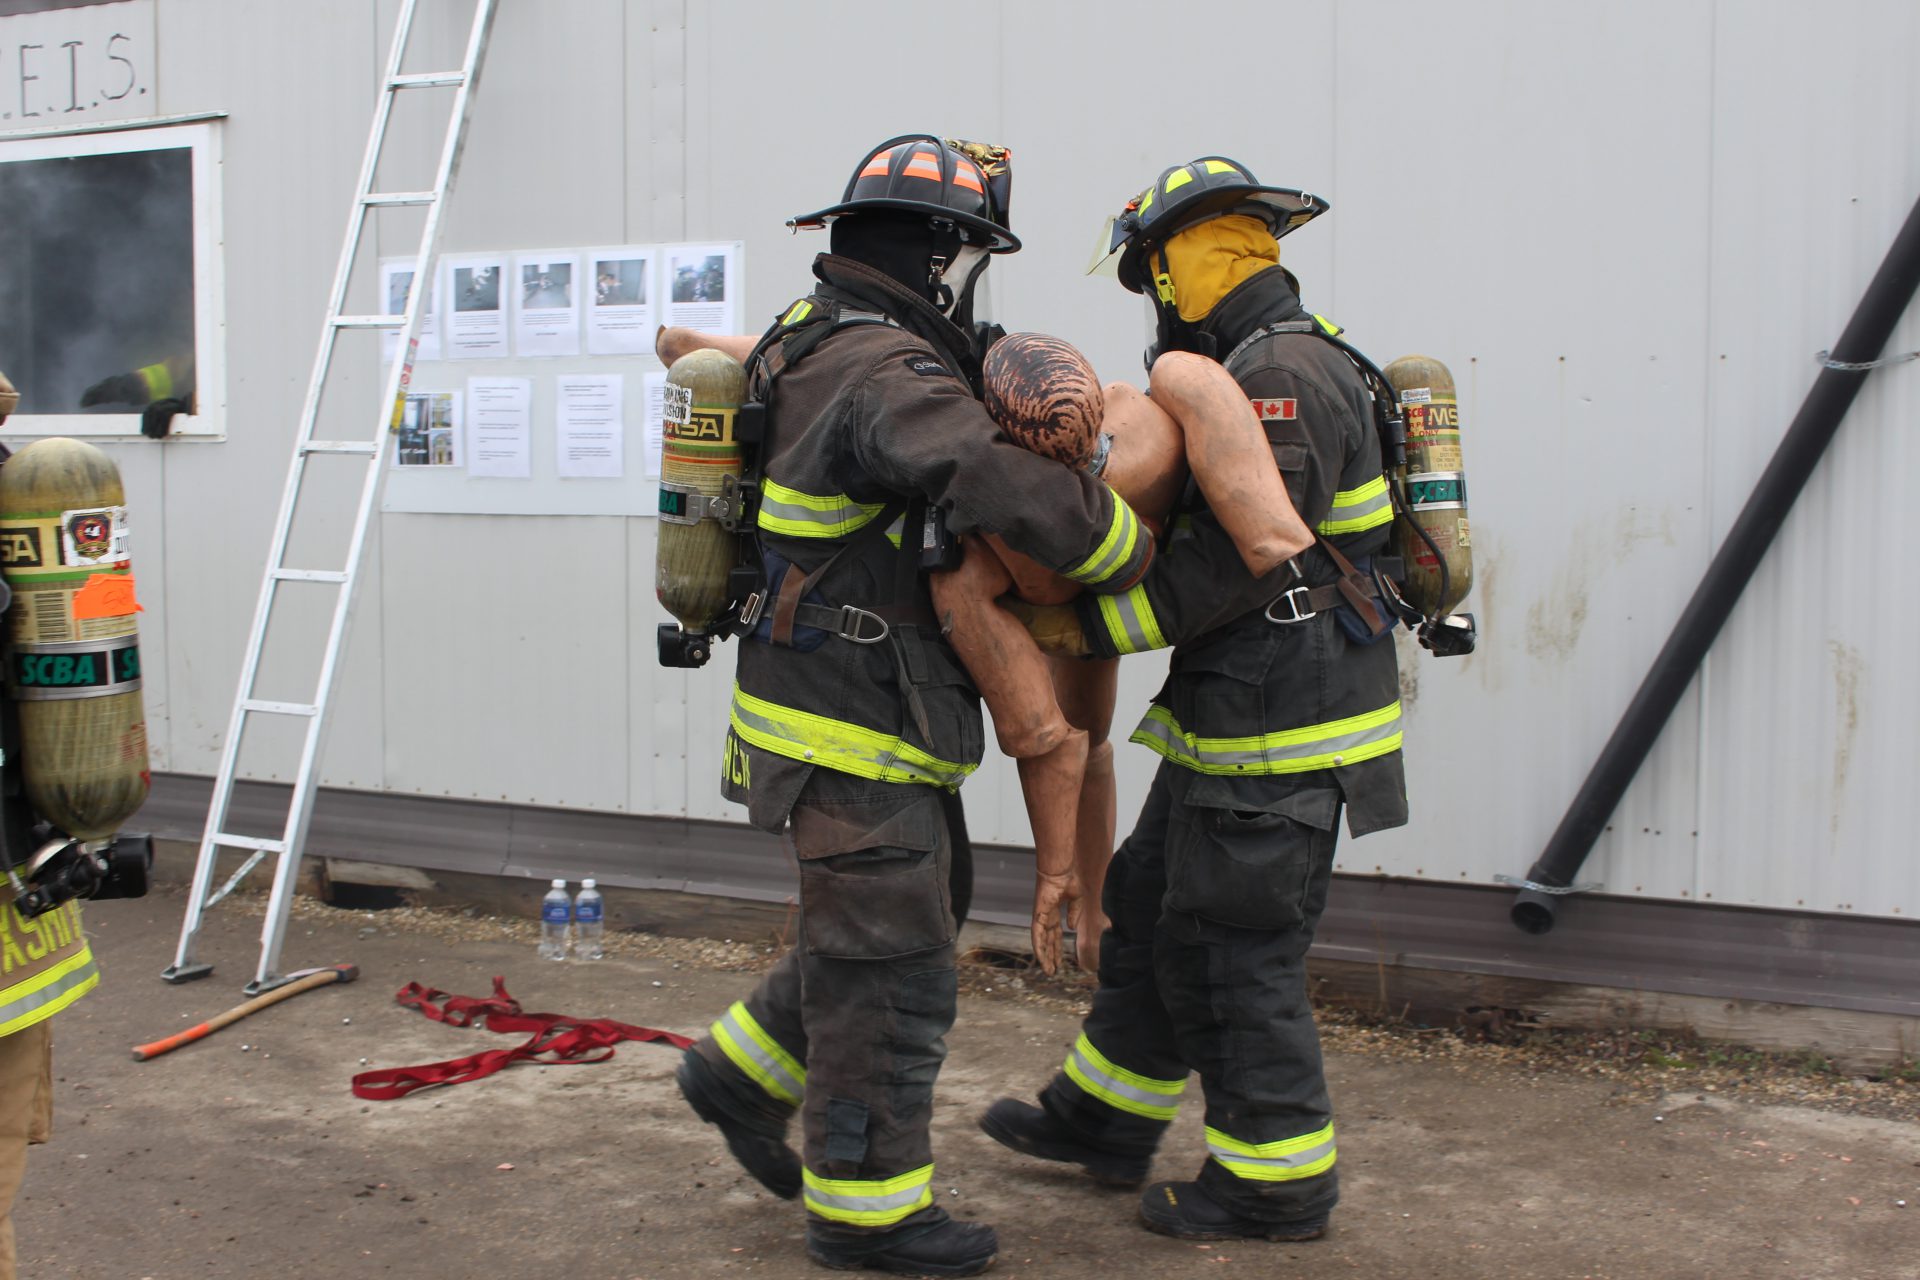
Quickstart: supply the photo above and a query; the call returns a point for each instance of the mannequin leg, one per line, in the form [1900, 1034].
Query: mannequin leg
[1017, 686]
[1086, 689]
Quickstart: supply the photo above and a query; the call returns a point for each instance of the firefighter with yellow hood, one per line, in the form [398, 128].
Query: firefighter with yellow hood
[1280, 710]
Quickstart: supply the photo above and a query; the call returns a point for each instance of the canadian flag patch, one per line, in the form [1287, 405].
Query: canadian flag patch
[1285, 410]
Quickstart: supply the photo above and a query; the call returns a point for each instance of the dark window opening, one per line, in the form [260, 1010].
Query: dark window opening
[96, 280]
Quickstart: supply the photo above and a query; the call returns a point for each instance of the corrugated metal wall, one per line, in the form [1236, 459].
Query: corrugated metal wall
[1626, 227]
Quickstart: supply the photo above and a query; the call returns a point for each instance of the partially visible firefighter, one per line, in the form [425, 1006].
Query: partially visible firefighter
[73, 762]
[1281, 709]
[852, 716]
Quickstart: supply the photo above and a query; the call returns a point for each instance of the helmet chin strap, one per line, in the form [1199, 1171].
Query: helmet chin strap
[1171, 332]
[952, 279]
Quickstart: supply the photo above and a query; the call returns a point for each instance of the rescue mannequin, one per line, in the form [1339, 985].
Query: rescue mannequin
[1052, 713]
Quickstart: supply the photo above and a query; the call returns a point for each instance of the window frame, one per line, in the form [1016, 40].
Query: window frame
[201, 136]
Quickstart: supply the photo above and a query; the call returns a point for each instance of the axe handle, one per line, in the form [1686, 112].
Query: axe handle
[326, 977]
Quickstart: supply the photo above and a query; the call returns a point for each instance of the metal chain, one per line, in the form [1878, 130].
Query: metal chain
[1555, 889]
[1826, 361]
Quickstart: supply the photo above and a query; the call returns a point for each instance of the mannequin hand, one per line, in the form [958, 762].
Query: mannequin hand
[1054, 627]
[1050, 893]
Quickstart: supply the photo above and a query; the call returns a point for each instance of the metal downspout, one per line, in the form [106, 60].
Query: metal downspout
[1812, 429]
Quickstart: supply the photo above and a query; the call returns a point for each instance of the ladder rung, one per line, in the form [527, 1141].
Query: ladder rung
[280, 708]
[428, 80]
[367, 447]
[259, 843]
[367, 322]
[309, 575]
[400, 197]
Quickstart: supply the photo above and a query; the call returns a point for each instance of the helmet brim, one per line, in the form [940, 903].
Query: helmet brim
[1293, 209]
[999, 239]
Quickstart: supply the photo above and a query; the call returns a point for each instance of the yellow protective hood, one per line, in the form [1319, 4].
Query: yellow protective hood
[1208, 259]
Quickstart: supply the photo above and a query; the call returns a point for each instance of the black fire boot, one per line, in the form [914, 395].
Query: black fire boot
[757, 1143]
[947, 1248]
[1182, 1209]
[1033, 1132]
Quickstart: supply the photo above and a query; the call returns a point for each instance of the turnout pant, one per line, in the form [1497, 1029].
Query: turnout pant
[849, 1027]
[1204, 969]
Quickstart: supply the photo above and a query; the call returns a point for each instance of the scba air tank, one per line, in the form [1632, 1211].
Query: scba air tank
[1435, 487]
[701, 459]
[73, 649]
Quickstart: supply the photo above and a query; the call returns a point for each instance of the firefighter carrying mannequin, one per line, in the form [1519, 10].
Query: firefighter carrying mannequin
[844, 735]
[1277, 713]
[45, 965]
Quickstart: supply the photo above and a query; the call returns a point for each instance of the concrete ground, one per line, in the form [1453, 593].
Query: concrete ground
[246, 1156]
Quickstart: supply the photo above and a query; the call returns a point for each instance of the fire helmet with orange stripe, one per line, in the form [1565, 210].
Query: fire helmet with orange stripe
[966, 183]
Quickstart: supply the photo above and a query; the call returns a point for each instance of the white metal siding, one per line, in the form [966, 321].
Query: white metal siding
[1627, 228]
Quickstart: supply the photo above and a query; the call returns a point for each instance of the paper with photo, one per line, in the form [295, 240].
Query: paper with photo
[654, 386]
[427, 430]
[500, 427]
[546, 314]
[702, 287]
[590, 424]
[620, 309]
[475, 307]
[396, 283]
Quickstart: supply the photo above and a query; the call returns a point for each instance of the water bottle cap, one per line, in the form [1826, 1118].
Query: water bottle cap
[559, 884]
[588, 883]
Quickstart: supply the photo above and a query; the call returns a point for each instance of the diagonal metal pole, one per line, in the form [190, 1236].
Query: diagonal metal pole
[1812, 430]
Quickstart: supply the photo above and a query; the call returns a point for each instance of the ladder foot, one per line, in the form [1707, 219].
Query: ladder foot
[179, 973]
[260, 986]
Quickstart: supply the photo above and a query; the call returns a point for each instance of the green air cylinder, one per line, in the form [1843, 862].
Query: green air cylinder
[73, 650]
[1435, 487]
[699, 454]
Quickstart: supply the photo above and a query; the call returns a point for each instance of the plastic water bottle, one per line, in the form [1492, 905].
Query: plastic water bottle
[556, 922]
[588, 923]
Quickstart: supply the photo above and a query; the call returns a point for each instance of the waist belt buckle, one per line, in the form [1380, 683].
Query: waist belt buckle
[1296, 602]
[750, 610]
[854, 620]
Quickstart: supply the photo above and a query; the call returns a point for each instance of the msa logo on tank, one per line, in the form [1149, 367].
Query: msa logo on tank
[681, 420]
[20, 546]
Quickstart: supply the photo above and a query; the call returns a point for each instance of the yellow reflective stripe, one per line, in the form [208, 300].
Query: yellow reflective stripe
[1283, 1161]
[1327, 326]
[864, 1203]
[1315, 746]
[38, 998]
[159, 381]
[809, 515]
[798, 312]
[1356, 510]
[1130, 621]
[1115, 550]
[759, 1055]
[1221, 166]
[1118, 1087]
[1178, 179]
[835, 744]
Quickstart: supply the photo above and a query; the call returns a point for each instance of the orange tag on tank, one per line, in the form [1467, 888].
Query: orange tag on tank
[106, 595]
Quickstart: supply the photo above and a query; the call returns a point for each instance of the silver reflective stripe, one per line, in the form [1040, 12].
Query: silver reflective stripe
[1122, 537]
[1302, 1157]
[1356, 510]
[756, 1053]
[804, 515]
[1319, 746]
[62, 990]
[1130, 620]
[1124, 1090]
[869, 1203]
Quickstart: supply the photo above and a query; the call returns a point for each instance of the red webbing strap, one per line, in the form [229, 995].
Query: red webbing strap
[554, 1039]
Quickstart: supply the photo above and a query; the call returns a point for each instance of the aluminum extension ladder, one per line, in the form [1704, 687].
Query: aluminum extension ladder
[288, 845]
